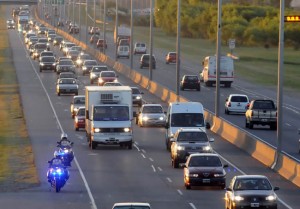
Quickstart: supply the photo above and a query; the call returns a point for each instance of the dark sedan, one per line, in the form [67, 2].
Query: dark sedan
[47, 63]
[87, 66]
[190, 82]
[204, 169]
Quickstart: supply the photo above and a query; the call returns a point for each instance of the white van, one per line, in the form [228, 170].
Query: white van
[184, 115]
[123, 51]
[208, 74]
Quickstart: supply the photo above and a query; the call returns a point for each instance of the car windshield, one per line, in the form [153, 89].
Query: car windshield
[81, 112]
[67, 75]
[99, 69]
[90, 62]
[74, 53]
[42, 40]
[135, 91]
[40, 46]
[48, 59]
[152, 109]
[191, 78]
[187, 120]
[205, 161]
[65, 62]
[58, 38]
[111, 113]
[264, 104]
[47, 54]
[67, 81]
[192, 136]
[79, 100]
[85, 57]
[252, 184]
[108, 74]
[131, 207]
[239, 99]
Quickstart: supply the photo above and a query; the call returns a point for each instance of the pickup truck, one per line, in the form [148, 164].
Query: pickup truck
[261, 112]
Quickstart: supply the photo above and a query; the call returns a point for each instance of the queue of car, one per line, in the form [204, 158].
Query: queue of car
[189, 144]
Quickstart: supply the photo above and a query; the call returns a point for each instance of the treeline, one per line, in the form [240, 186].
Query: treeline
[248, 25]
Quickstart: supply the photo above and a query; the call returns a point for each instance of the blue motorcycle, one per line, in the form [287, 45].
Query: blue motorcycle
[57, 174]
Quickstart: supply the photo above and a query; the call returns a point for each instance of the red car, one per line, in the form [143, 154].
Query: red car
[79, 120]
[107, 76]
[171, 57]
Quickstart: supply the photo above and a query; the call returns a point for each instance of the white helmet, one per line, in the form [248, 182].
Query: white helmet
[63, 136]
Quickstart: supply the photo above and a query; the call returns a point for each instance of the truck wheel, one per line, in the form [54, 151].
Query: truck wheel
[273, 126]
[129, 145]
[76, 129]
[93, 145]
[188, 187]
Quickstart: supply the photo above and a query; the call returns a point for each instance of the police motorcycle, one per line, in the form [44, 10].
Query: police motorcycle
[64, 152]
[57, 174]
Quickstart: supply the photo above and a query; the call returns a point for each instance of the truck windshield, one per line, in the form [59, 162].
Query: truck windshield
[187, 120]
[111, 113]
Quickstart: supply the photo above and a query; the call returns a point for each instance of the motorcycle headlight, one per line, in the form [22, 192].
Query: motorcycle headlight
[100, 80]
[66, 151]
[238, 198]
[271, 198]
[127, 130]
[78, 61]
[180, 148]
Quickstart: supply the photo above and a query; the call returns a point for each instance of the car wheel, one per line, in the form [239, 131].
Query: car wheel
[175, 163]
[188, 187]
[41, 70]
[93, 145]
[246, 124]
[92, 82]
[76, 129]
[58, 93]
[129, 145]
[250, 125]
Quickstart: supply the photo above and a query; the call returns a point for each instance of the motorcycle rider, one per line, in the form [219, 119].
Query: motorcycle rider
[65, 149]
[56, 162]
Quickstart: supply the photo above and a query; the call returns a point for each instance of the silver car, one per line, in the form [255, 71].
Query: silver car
[250, 191]
[151, 115]
[67, 86]
[78, 101]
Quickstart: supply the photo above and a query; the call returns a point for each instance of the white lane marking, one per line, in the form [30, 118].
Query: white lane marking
[154, 170]
[159, 168]
[143, 155]
[93, 204]
[169, 180]
[179, 191]
[143, 150]
[288, 124]
[192, 205]
[136, 147]
[151, 159]
[92, 154]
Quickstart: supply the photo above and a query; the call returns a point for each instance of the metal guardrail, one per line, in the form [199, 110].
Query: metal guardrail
[18, 2]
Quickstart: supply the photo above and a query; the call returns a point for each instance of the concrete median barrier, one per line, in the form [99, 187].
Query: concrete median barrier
[266, 154]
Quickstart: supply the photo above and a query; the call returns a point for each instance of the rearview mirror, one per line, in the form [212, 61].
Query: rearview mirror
[207, 125]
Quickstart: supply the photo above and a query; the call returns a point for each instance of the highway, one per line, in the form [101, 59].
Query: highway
[109, 174]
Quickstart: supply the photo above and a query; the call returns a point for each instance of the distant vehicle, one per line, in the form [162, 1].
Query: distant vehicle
[190, 82]
[81, 58]
[171, 57]
[67, 46]
[38, 48]
[94, 30]
[57, 40]
[137, 97]
[186, 141]
[107, 76]
[145, 61]
[79, 119]
[124, 42]
[236, 103]
[77, 48]
[140, 48]
[94, 38]
[203, 169]
[65, 65]
[74, 29]
[151, 115]
[46, 53]
[73, 54]
[131, 205]
[101, 43]
[250, 191]
[51, 37]
[11, 25]
[261, 112]
[77, 101]
[112, 84]
[123, 51]
[184, 115]
[95, 72]
[208, 74]
[67, 75]
[123, 33]
[88, 65]
[66, 86]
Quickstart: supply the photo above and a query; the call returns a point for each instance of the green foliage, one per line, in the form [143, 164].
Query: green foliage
[250, 23]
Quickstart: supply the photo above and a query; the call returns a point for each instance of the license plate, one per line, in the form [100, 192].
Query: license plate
[254, 205]
[207, 181]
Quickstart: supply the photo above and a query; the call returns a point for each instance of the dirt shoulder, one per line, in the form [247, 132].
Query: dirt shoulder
[17, 168]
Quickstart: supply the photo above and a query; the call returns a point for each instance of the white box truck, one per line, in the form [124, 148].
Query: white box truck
[123, 33]
[108, 118]
[208, 74]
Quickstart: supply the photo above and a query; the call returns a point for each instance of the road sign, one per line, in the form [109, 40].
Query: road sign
[231, 43]
[292, 18]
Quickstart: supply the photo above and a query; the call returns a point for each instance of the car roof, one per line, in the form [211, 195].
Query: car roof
[204, 154]
[149, 105]
[78, 96]
[241, 95]
[250, 176]
[190, 130]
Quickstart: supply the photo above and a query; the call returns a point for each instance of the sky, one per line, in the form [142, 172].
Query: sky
[295, 3]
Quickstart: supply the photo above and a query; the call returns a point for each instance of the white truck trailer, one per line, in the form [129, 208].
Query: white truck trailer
[109, 115]
[208, 74]
[122, 33]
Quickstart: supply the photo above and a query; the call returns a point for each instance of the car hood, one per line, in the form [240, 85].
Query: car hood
[174, 129]
[153, 115]
[205, 169]
[254, 192]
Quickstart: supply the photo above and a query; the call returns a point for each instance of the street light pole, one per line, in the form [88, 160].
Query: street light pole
[116, 30]
[131, 34]
[151, 41]
[104, 25]
[178, 48]
[218, 56]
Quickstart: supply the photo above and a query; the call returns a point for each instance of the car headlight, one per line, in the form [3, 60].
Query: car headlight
[238, 198]
[161, 118]
[93, 75]
[180, 148]
[116, 80]
[96, 130]
[42, 64]
[207, 148]
[219, 175]
[138, 97]
[84, 68]
[193, 175]
[271, 198]
[145, 118]
[127, 130]
[100, 80]
[75, 109]
[53, 64]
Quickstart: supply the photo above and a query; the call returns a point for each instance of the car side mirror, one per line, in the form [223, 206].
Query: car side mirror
[142, 92]
[211, 139]
[276, 188]
[226, 100]
[207, 125]
[225, 166]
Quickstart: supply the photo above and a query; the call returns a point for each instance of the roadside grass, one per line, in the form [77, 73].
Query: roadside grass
[17, 168]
